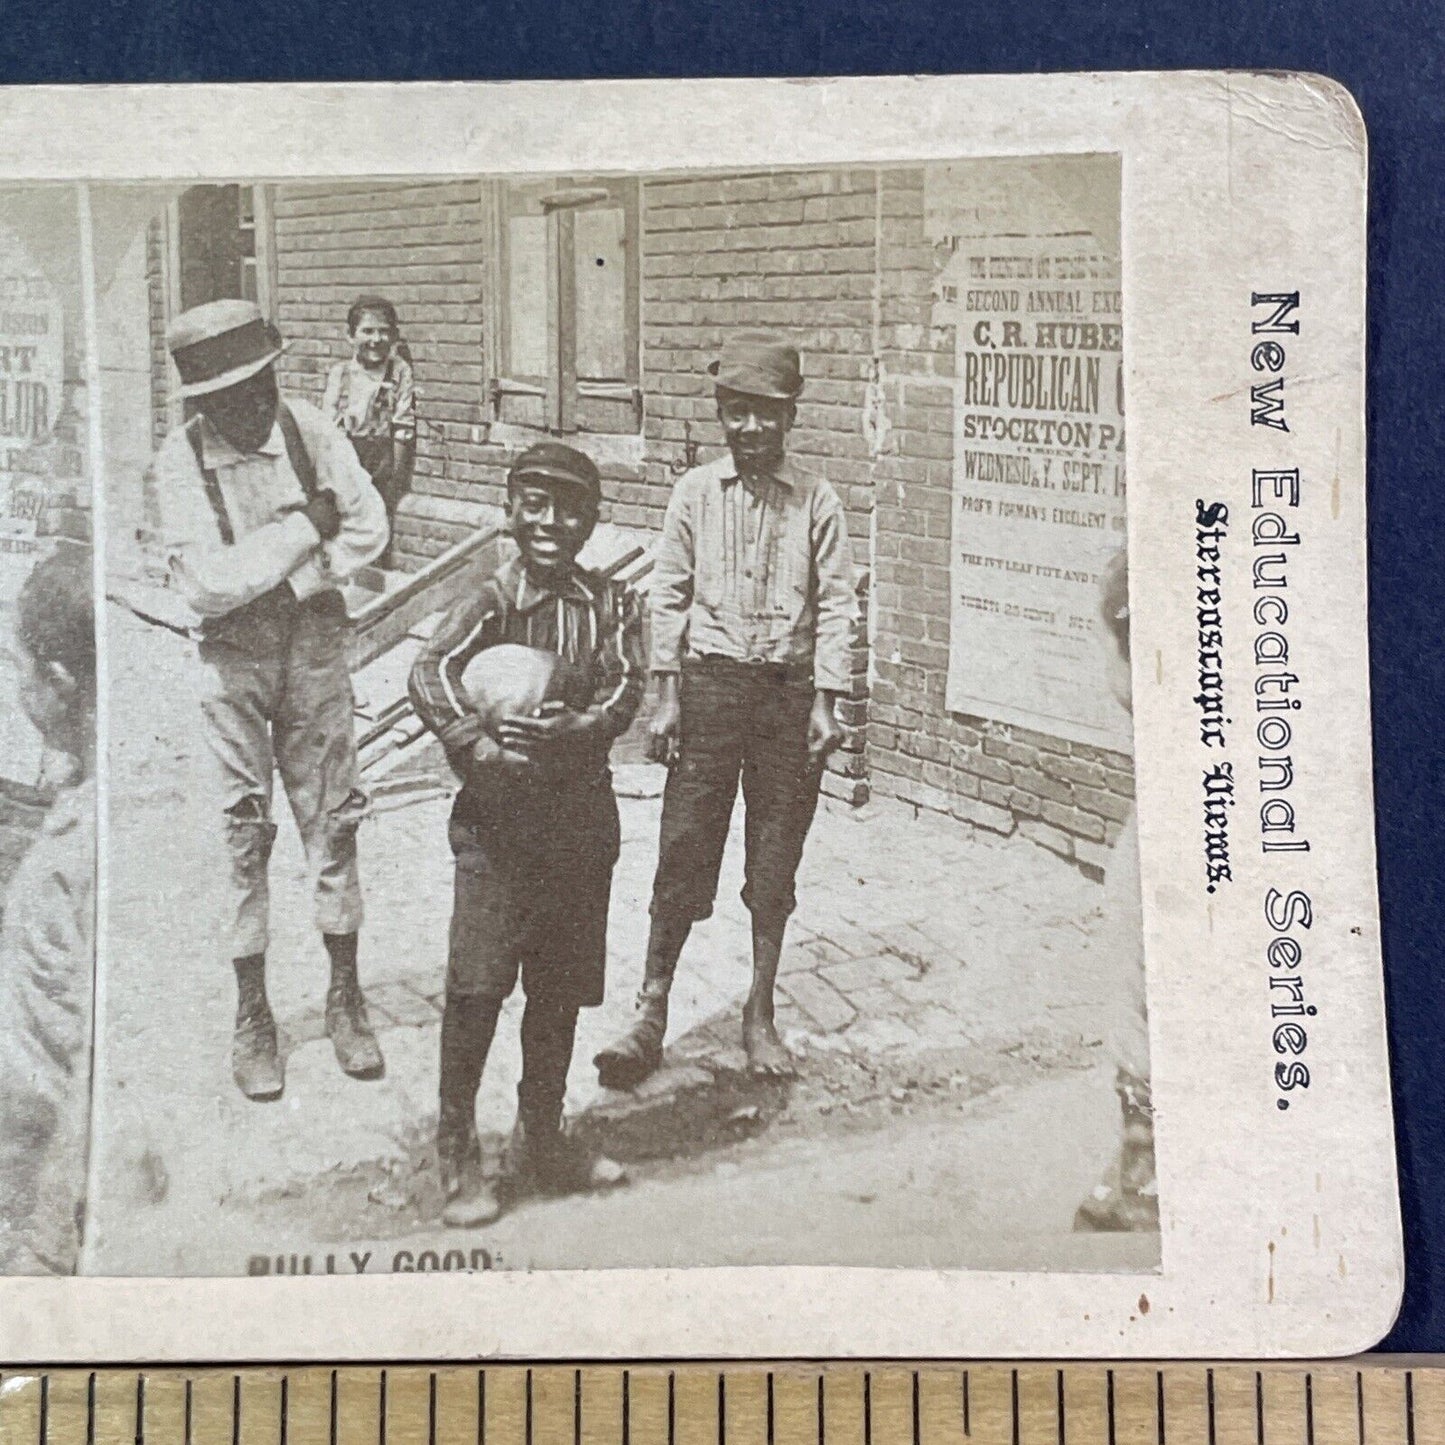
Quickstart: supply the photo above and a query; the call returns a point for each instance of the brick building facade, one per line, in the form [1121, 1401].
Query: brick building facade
[645, 278]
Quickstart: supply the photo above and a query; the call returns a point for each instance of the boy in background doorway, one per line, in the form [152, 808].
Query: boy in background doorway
[372, 399]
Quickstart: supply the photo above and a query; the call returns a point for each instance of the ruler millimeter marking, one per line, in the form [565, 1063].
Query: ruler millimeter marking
[737, 1404]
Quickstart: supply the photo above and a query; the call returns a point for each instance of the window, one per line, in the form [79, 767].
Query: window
[219, 243]
[566, 289]
[223, 245]
[246, 226]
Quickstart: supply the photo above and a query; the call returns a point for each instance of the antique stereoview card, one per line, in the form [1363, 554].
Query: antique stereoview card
[733, 720]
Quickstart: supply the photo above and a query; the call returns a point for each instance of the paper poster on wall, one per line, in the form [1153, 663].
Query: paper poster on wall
[32, 388]
[1039, 493]
[32, 369]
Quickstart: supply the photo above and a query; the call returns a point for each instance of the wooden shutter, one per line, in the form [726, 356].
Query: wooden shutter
[521, 388]
[568, 289]
[606, 375]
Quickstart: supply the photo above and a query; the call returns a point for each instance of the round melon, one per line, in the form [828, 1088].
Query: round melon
[510, 680]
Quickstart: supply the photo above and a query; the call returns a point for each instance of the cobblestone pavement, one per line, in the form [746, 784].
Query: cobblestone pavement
[922, 954]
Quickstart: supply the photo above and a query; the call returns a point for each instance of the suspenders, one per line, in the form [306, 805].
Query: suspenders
[296, 454]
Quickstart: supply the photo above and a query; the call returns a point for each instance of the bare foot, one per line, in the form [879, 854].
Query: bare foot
[767, 1056]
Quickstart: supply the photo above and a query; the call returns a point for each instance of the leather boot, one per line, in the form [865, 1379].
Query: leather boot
[543, 1158]
[1128, 1198]
[468, 1023]
[470, 1199]
[626, 1062]
[357, 1050]
[255, 1060]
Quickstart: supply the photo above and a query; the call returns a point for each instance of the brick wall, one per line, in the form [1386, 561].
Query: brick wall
[839, 261]
[422, 245]
[1070, 797]
[790, 252]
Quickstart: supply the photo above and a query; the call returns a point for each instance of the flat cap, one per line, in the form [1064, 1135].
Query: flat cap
[219, 344]
[557, 462]
[759, 365]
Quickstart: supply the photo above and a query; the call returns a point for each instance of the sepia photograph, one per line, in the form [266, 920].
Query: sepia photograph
[607, 716]
[633, 672]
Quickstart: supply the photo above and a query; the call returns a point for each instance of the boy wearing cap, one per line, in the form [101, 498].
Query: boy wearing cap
[265, 512]
[753, 606]
[535, 828]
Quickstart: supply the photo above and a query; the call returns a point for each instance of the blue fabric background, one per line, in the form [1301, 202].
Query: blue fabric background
[1391, 55]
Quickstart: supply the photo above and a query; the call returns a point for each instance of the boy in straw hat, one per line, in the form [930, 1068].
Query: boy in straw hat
[265, 512]
[753, 606]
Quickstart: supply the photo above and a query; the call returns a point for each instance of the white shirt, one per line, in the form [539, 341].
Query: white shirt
[274, 542]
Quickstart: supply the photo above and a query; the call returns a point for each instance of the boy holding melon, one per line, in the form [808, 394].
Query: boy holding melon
[526, 683]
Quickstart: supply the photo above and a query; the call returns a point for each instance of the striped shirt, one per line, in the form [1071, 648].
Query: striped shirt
[756, 571]
[594, 623]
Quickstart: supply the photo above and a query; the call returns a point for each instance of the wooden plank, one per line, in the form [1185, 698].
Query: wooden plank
[695, 1417]
[847, 1404]
[745, 1403]
[23, 1394]
[1038, 1405]
[166, 1411]
[601, 1421]
[991, 1405]
[68, 1410]
[505, 1415]
[260, 1406]
[1329, 1403]
[1136, 1405]
[796, 1413]
[1186, 1405]
[1086, 1406]
[649, 1405]
[379, 625]
[1387, 1420]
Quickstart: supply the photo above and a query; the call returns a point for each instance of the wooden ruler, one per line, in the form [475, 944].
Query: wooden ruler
[1331, 1403]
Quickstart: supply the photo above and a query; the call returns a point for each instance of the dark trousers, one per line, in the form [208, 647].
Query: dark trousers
[743, 722]
[276, 697]
[532, 888]
[533, 883]
[469, 1022]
